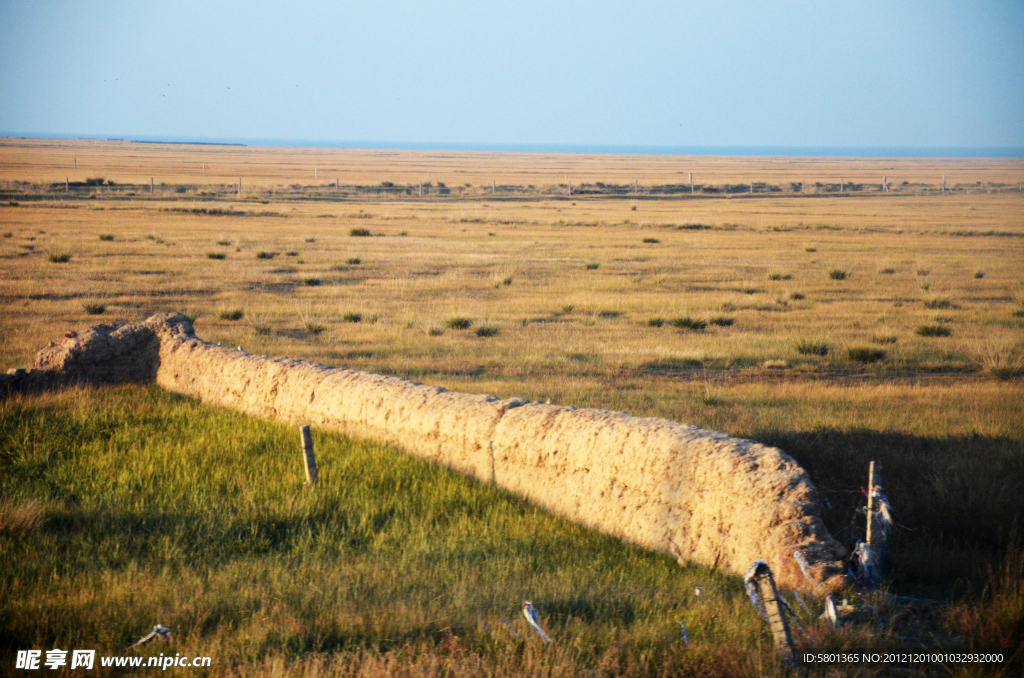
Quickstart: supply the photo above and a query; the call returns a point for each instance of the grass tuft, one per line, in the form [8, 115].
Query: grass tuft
[266, 255]
[938, 302]
[106, 237]
[778, 275]
[812, 347]
[486, 331]
[94, 308]
[838, 274]
[360, 233]
[458, 323]
[353, 261]
[865, 354]
[58, 257]
[655, 322]
[722, 320]
[593, 265]
[231, 314]
[216, 255]
[312, 282]
[687, 323]
[352, 317]
[651, 241]
[933, 331]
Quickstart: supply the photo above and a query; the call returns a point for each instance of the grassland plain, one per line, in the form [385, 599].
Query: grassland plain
[570, 289]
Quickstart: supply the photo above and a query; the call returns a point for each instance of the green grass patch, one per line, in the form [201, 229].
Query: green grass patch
[131, 506]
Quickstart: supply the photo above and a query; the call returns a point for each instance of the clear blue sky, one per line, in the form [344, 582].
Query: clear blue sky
[809, 74]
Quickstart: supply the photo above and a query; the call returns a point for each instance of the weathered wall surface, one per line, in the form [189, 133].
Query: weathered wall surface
[700, 495]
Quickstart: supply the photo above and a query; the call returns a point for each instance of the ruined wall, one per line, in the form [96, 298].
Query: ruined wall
[700, 495]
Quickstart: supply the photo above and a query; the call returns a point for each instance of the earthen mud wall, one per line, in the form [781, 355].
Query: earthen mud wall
[700, 495]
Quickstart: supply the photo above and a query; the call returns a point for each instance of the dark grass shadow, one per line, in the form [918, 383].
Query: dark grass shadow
[955, 500]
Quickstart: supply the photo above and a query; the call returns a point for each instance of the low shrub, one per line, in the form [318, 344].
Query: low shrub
[978, 275]
[864, 354]
[106, 237]
[655, 322]
[94, 308]
[811, 347]
[777, 275]
[938, 302]
[59, 257]
[796, 296]
[360, 233]
[216, 255]
[231, 314]
[688, 323]
[651, 241]
[291, 253]
[458, 323]
[312, 282]
[838, 274]
[885, 339]
[266, 255]
[592, 265]
[722, 321]
[352, 317]
[887, 270]
[933, 331]
[486, 331]
[353, 261]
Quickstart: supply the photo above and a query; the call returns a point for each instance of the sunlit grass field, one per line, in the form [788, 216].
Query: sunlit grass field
[127, 507]
[842, 329]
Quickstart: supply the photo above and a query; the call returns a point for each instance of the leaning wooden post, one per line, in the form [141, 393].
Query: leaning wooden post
[765, 596]
[308, 456]
[67, 185]
[691, 183]
[152, 185]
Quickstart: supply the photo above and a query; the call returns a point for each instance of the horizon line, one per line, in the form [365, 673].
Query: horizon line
[752, 150]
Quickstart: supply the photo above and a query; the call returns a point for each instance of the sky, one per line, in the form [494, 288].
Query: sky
[889, 74]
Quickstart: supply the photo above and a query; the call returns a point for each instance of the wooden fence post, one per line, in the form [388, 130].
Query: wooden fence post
[691, 183]
[759, 580]
[308, 457]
